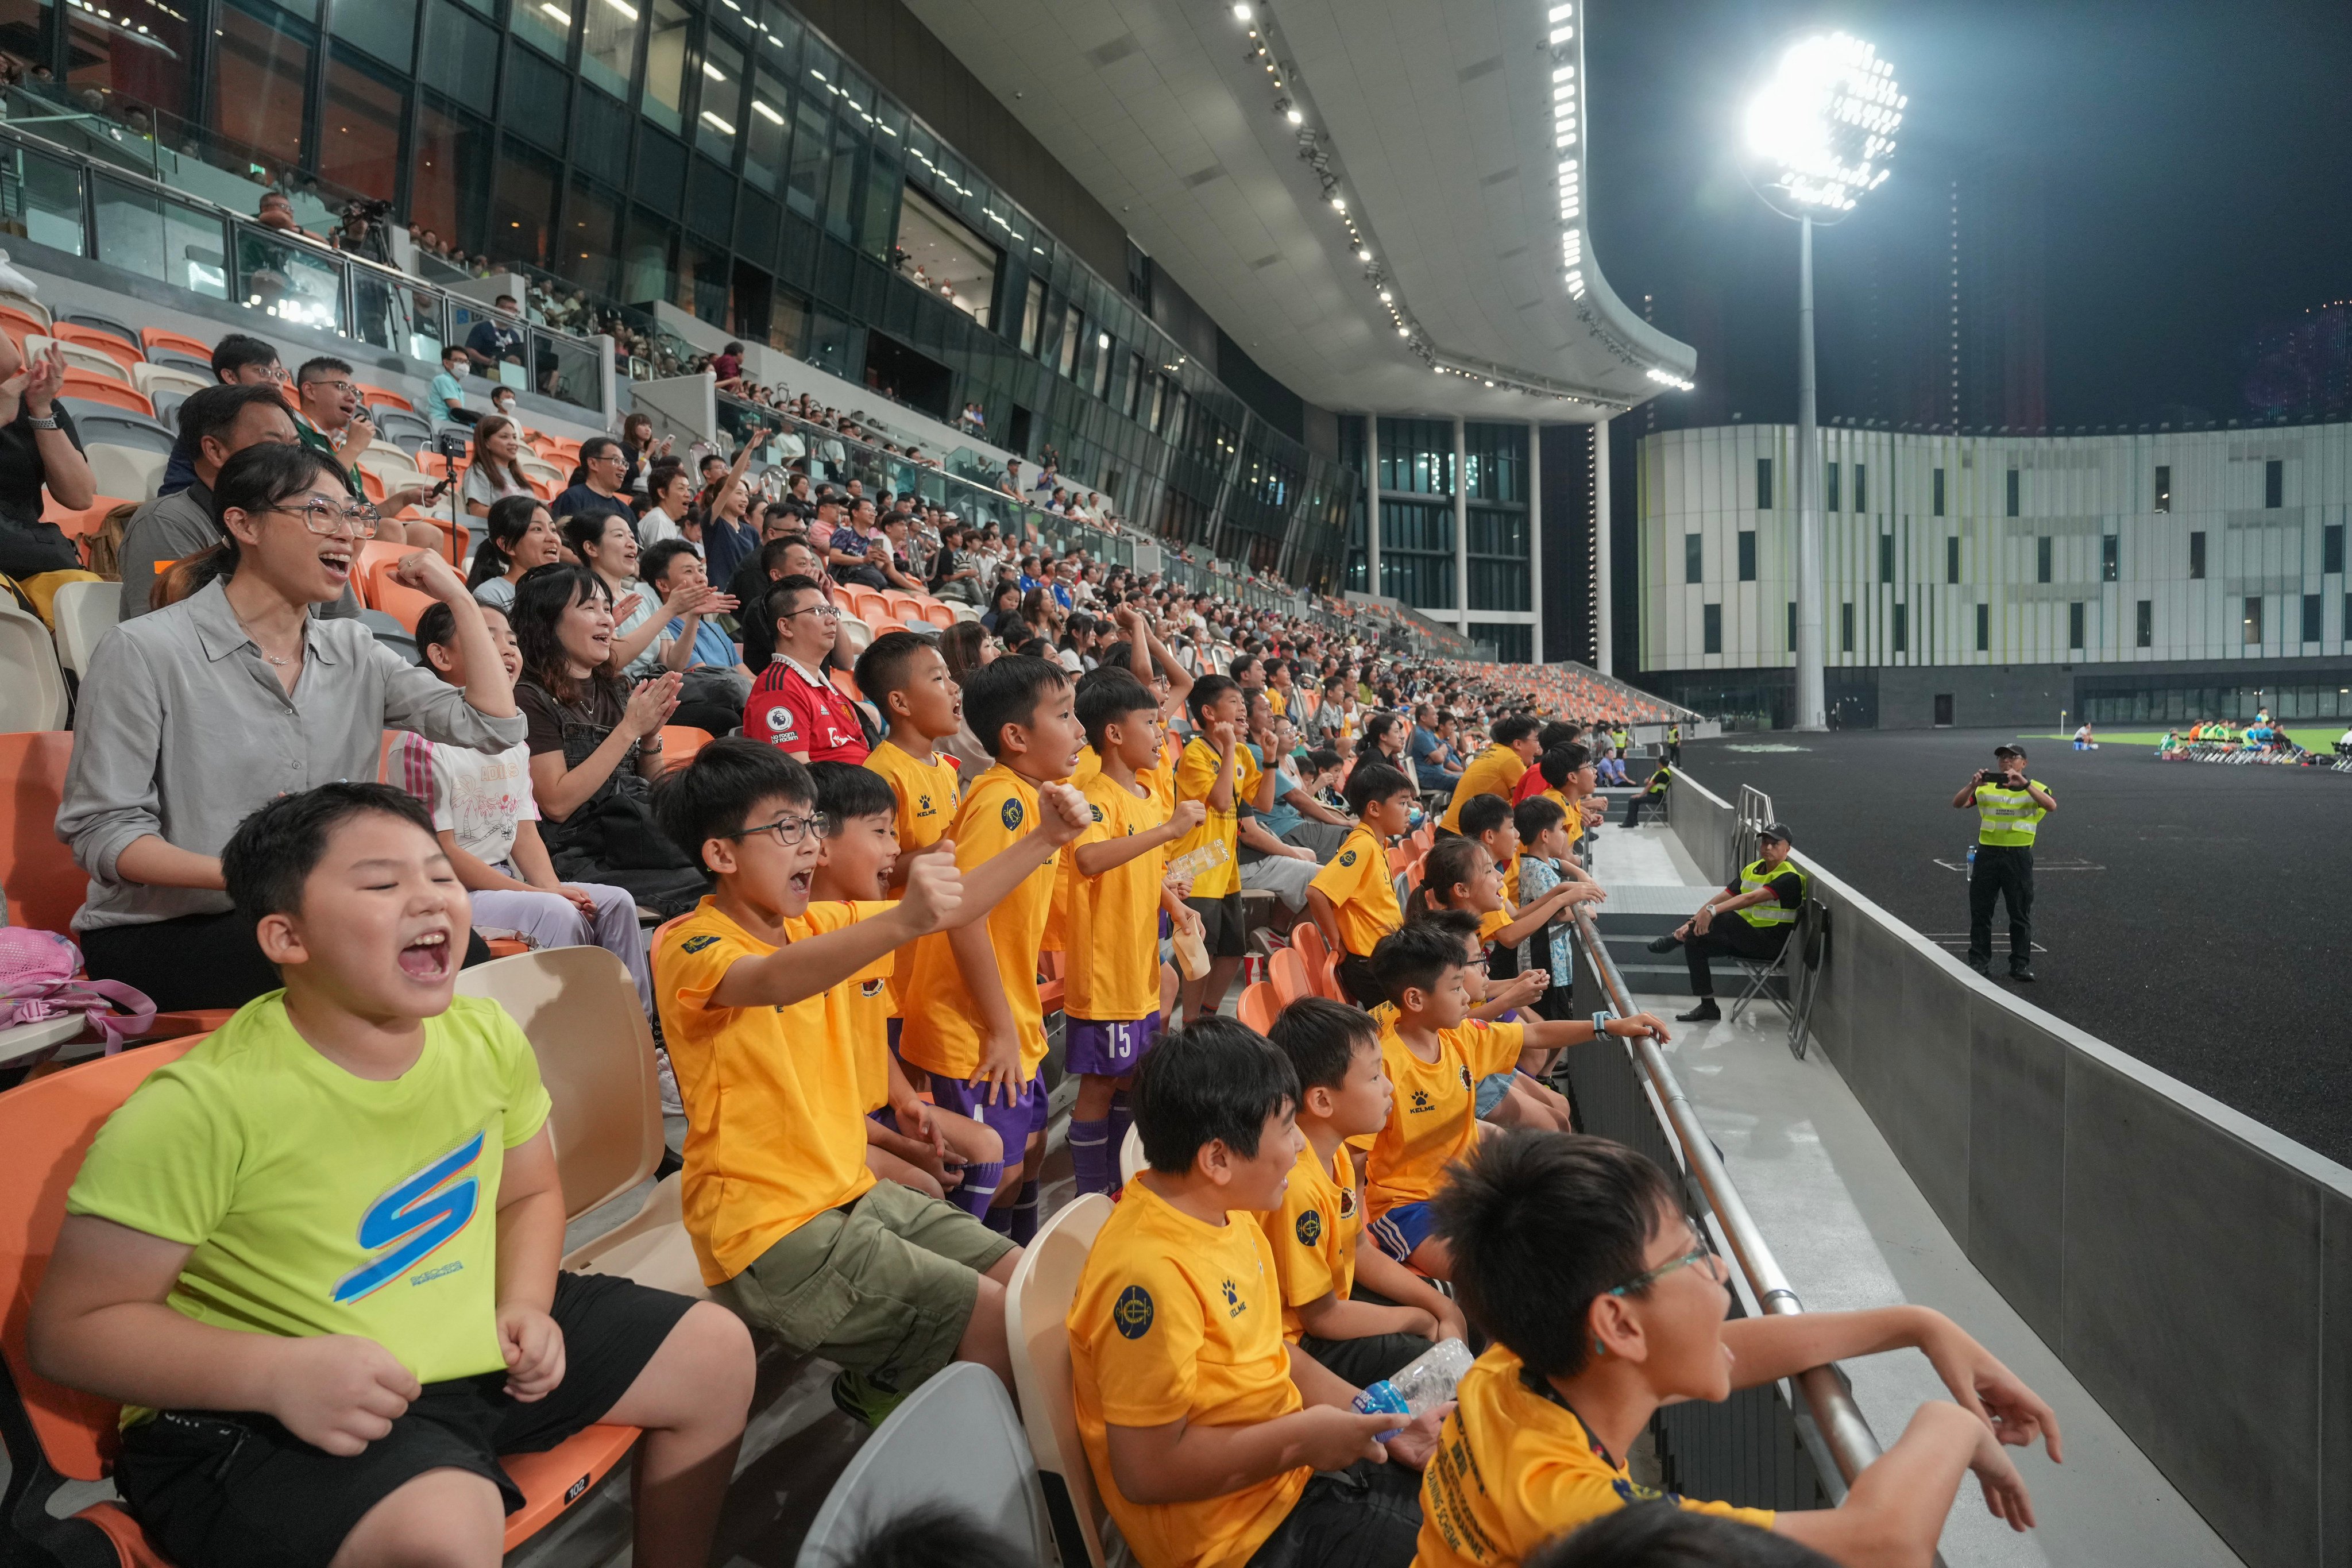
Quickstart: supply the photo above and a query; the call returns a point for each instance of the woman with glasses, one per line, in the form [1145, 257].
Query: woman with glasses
[595, 741]
[196, 715]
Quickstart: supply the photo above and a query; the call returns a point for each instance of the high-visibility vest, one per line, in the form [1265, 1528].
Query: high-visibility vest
[1761, 874]
[2007, 816]
[1657, 788]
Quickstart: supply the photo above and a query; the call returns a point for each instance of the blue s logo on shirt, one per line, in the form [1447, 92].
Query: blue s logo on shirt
[414, 1220]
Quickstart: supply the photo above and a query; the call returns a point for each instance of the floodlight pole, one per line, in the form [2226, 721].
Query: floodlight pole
[1812, 709]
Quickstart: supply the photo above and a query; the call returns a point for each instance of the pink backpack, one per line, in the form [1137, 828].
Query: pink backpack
[41, 977]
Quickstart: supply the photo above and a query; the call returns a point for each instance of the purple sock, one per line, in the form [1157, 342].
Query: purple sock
[1024, 1214]
[1090, 1155]
[979, 1188]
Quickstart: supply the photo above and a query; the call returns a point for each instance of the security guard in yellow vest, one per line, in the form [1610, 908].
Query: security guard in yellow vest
[1766, 896]
[1652, 798]
[1673, 745]
[2009, 807]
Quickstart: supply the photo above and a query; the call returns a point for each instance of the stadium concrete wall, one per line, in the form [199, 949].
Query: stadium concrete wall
[2192, 1268]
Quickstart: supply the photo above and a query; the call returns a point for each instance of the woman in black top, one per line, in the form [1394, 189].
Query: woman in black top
[38, 447]
[595, 744]
[1003, 618]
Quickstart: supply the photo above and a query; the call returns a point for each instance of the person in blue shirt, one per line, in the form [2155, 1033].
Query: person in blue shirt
[693, 644]
[493, 340]
[597, 492]
[449, 394]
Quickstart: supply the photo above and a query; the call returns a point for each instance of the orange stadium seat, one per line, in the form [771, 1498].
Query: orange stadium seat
[177, 342]
[93, 387]
[1258, 1006]
[44, 885]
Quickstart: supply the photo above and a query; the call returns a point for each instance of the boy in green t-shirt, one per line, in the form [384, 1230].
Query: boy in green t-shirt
[316, 1258]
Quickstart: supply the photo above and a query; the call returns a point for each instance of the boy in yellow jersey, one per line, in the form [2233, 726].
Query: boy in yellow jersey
[1344, 1302]
[905, 677]
[974, 1021]
[1353, 900]
[790, 1226]
[1606, 1301]
[1496, 770]
[1211, 1438]
[314, 1257]
[1110, 994]
[907, 1140]
[1437, 1052]
[1218, 770]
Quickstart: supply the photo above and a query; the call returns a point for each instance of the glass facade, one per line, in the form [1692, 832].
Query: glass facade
[1489, 571]
[721, 156]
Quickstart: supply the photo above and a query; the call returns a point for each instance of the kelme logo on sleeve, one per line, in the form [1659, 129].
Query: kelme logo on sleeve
[1131, 1315]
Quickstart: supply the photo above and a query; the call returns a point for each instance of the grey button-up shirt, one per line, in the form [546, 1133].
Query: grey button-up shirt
[184, 731]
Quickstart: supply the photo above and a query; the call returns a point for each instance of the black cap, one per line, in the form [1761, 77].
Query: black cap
[2009, 749]
[1779, 830]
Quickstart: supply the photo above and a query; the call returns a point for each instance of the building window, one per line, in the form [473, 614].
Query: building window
[2042, 549]
[608, 45]
[260, 73]
[1763, 484]
[1951, 555]
[1694, 556]
[2274, 484]
[1074, 331]
[1128, 394]
[1861, 496]
[1792, 625]
[1984, 628]
[1514, 643]
[2111, 557]
[2197, 555]
[2252, 622]
[1885, 540]
[360, 136]
[1711, 624]
[2331, 548]
[722, 99]
[2013, 498]
[2163, 487]
[2311, 617]
[2074, 625]
[1845, 628]
[1939, 487]
[769, 128]
[666, 65]
[2144, 631]
[1748, 554]
[1901, 628]
[1830, 492]
[1033, 327]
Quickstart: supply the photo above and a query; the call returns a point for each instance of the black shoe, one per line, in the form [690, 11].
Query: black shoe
[1665, 943]
[2020, 973]
[1707, 1012]
[1981, 967]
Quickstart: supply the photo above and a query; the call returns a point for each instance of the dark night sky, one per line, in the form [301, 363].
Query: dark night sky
[2196, 161]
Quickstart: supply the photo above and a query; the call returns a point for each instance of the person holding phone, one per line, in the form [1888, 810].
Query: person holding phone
[2010, 808]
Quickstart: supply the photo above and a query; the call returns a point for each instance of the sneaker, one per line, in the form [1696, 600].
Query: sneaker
[1707, 1012]
[2022, 972]
[1980, 967]
[1266, 941]
[670, 1103]
[861, 1398]
[1665, 943]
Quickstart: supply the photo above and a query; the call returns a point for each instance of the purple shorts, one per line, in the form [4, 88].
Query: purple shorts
[1101, 1049]
[1014, 1117]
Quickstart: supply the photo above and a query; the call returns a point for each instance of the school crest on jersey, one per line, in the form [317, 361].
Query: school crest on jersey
[697, 943]
[1131, 1314]
[1347, 1202]
[1346, 858]
[1466, 1075]
[869, 989]
[1309, 1228]
[1010, 815]
[1098, 815]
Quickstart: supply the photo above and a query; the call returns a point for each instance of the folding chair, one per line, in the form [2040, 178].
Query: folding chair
[1812, 938]
[1764, 976]
[1037, 1313]
[956, 1440]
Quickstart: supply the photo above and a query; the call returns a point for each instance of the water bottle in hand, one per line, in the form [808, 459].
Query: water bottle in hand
[1420, 1387]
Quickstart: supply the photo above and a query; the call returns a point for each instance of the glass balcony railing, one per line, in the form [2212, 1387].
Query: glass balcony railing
[125, 201]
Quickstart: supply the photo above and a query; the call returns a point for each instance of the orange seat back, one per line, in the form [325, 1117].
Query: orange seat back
[47, 1126]
[681, 741]
[87, 521]
[45, 887]
[1258, 1006]
[1286, 970]
[939, 614]
[1306, 938]
[403, 604]
[383, 397]
[20, 326]
[178, 343]
[105, 342]
[1326, 979]
[96, 388]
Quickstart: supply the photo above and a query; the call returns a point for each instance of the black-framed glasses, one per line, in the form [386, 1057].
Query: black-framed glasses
[788, 831]
[1703, 1254]
[325, 517]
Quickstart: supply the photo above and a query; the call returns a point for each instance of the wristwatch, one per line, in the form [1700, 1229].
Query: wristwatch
[38, 424]
[1601, 1025]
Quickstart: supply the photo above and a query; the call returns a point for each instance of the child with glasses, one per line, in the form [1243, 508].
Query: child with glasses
[1435, 1052]
[1605, 1303]
[790, 1226]
[794, 706]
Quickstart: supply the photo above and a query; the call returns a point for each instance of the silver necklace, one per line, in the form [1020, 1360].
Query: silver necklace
[280, 661]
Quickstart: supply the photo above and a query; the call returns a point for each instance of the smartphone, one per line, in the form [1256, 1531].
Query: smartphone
[439, 490]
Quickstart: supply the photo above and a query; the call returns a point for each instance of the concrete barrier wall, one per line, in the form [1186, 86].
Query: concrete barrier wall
[2191, 1266]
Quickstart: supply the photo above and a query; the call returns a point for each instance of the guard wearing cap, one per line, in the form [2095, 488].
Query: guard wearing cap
[1765, 895]
[2010, 808]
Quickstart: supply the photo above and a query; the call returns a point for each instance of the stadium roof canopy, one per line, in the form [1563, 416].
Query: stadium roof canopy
[1437, 122]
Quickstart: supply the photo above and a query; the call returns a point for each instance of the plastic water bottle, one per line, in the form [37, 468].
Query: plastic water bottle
[1972, 860]
[1420, 1387]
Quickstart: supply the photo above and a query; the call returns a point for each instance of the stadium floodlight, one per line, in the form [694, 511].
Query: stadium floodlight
[1819, 134]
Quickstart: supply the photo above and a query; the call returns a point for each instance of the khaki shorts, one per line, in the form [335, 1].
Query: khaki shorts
[883, 1285]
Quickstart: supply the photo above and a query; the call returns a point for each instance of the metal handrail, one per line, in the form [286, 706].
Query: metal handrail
[1838, 1422]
